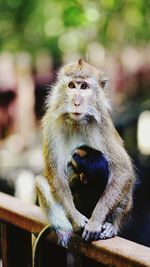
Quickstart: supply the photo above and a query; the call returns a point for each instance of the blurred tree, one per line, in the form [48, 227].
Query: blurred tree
[30, 24]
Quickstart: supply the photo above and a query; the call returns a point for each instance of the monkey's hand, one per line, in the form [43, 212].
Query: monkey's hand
[108, 231]
[79, 222]
[92, 231]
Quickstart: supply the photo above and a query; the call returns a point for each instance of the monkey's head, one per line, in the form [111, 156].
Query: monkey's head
[89, 166]
[79, 93]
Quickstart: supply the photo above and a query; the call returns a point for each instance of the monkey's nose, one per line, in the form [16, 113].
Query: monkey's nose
[77, 104]
[77, 100]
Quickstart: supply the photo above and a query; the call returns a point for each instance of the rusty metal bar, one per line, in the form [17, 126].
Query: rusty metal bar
[116, 252]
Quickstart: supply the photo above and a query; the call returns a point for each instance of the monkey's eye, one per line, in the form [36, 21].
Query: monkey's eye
[71, 85]
[84, 86]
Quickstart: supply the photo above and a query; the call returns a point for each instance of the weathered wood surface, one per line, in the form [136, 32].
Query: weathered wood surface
[113, 252]
[26, 216]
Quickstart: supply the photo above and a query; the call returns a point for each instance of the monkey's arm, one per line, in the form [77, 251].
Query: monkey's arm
[106, 205]
[56, 205]
[64, 196]
[58, 184]
[114, 220]
[120, 185]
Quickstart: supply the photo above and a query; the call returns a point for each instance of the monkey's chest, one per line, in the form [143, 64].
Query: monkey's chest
[66, 148]
[68, 145]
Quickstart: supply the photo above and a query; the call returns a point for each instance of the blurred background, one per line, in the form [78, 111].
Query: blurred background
[36, 38]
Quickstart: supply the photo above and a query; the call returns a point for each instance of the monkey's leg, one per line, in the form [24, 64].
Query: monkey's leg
[113, 223]
[54, 211]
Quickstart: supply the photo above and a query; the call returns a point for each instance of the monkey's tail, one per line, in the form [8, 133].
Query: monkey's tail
[36, 250]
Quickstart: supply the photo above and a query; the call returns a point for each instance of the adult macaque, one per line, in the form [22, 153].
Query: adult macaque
[79, 114]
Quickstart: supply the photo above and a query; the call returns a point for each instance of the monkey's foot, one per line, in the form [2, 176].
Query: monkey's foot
[108, 231]
[63, 237]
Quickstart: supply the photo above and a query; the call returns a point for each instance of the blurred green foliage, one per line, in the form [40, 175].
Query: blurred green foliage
[56, 25]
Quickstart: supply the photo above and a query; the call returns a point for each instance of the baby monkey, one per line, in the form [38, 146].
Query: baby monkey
[88, 173]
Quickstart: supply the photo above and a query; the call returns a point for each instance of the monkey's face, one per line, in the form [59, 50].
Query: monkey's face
[84, 98]
[79, 92]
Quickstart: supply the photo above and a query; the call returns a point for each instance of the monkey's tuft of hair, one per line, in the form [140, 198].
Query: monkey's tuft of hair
[80, 63]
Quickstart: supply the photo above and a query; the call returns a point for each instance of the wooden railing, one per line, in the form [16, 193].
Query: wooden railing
[19, 221]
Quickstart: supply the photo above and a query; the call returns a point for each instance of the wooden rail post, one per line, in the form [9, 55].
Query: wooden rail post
[16, 249]
[48, 253]
[52, 255]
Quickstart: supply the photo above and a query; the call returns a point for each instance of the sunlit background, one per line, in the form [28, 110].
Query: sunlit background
[36, 38]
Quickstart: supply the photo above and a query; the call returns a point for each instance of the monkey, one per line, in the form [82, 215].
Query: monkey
[78, 113]
[88, 174]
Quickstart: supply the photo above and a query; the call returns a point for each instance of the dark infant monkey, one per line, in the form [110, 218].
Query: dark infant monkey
[88, 173]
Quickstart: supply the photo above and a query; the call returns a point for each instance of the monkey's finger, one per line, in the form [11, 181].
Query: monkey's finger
[109, 232]
[101, 237]
[92, 236]
[96, 236]
[85, 232]
[105, 235]
[86, 235]
[106, 226]
[112, 228]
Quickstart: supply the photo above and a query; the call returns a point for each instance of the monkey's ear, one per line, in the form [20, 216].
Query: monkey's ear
[104, 82]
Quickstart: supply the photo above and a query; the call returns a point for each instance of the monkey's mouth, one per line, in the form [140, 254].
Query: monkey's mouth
[76, 115]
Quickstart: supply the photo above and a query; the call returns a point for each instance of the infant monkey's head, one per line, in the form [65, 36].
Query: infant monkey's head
[90, 165]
